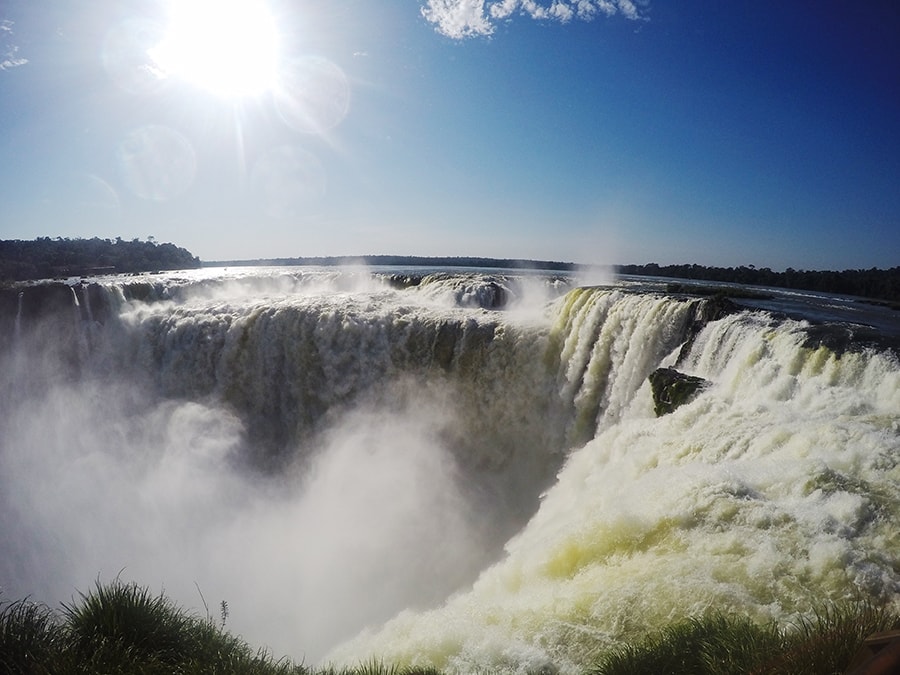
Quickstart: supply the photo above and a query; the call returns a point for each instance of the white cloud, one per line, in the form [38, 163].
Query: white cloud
[534, 10]
[501, 10]
[469, 18]
[458, 18]
[561, 11]
[8, 58]
[585, 9]
[606, 6]
[628, 8]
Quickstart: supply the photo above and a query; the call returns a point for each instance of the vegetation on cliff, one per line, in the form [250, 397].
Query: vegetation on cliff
[46, 258]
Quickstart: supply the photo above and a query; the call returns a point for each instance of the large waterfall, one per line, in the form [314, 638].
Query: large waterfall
[458, 469]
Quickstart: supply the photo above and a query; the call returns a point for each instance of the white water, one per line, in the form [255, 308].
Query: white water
[775, 489]
[415, 434]
[17, 324]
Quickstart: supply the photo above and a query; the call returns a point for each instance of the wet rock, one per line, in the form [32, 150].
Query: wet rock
[494, 296]
[41, 301]
[444, 347]
[488, 295]
[672, 389]
[404, 281]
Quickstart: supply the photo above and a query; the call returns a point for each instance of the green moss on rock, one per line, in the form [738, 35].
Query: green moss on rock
[672, 389]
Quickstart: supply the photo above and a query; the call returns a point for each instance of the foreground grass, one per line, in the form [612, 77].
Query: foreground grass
[122, 628]
[728, 645]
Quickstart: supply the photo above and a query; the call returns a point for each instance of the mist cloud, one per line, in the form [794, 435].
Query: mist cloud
[101, 480]
[460, 19]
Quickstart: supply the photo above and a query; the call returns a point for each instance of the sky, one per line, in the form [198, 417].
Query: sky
[759, 133]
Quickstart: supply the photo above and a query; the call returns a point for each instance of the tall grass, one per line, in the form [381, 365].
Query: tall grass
[379, 668]
[31, 640]
[712, 645]
[727, 645]
[122, 628]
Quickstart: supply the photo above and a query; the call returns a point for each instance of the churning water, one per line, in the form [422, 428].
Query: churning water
[459, 469]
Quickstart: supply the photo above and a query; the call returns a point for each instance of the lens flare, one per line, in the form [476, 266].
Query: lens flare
[313, 95]
[126, 56]
[157, 162]
[286, 180]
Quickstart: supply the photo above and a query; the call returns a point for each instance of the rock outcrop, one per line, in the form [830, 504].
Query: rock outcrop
[672, 389]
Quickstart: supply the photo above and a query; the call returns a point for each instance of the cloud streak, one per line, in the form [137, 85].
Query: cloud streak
[460, 19]
[8, 52]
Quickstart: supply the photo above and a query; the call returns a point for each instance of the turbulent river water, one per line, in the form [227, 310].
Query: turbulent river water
[455, 468]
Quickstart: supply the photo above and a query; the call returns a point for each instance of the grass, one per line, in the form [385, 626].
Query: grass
[31, 640]
[727, 645]
[122, 628]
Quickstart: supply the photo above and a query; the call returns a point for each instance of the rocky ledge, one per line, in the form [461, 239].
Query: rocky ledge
[672, 389]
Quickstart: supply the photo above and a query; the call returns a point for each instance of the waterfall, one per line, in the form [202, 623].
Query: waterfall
[17, 326]
[609, 342]
[89, 312]
[775, 489]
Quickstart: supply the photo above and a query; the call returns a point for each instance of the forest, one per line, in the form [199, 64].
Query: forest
[46, 258]
[410, 261]
[871, 283]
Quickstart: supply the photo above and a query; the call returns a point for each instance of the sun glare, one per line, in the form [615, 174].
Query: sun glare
[228, 47]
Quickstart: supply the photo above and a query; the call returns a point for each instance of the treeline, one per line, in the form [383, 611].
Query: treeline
[871, 283]
[408, 260]
[46, 258]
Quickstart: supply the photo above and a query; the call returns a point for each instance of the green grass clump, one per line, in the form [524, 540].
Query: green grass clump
[379, 668]
[126, 622]
[727, 645]
[827, 642]
[711, 645]
[124, 629]
[31, 640]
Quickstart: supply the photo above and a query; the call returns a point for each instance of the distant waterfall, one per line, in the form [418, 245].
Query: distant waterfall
[17, 326]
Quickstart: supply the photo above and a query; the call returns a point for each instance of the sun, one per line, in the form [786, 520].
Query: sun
[227, 47]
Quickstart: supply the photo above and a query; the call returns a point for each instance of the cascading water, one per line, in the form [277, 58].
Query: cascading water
[775, 489]
[17, 325]
[484, 488]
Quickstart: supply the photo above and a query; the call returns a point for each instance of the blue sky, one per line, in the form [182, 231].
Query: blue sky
[595, 131]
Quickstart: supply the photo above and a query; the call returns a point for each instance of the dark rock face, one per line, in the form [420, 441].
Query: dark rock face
[404, 281]
[43, 301]
[494, 296]
[672, 389]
